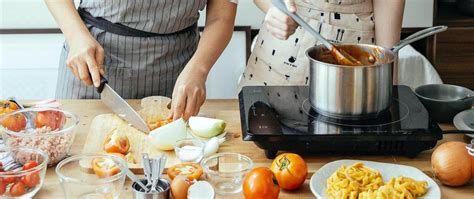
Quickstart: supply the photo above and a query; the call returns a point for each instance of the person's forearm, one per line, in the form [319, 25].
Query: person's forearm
[264, 5]
[215, 37]
[388, 16]
[68, 19]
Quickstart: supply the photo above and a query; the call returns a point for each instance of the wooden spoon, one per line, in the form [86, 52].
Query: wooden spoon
[340, 55]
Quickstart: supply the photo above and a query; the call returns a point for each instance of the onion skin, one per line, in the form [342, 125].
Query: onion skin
[452, 164]
[472, 167]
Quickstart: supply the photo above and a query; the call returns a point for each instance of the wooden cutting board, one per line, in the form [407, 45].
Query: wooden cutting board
[153, 109]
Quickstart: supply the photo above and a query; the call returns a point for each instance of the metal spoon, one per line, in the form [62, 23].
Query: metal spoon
[146, 167]
[134, 178]
[341, 56]
[155, 173]
[467, 97]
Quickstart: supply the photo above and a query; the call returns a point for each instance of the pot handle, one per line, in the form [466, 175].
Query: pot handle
[417, 36]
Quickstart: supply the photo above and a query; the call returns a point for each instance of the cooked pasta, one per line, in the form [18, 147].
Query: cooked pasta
[361, 182]
[348, 182]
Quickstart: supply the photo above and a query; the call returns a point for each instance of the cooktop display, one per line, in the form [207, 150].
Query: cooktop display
[280, 118]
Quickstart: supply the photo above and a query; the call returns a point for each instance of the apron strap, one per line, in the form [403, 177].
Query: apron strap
[120, 29]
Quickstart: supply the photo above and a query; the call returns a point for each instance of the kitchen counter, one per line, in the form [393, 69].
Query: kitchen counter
[228, 110]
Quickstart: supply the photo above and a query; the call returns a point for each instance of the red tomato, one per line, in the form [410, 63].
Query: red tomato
[7, 106]
[31, 180]
[260, 183]
[16, 122]
[115, 143]
[8, 180]
[104, 167]
[3, 187]
[18, 189]
[53, 119]
[290, 170]
[29, 165]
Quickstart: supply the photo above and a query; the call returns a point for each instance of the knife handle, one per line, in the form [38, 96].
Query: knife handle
[103, 81]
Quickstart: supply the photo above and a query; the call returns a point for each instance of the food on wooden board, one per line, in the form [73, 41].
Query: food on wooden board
[166, 136]
[452, 164]
[160, 123]
[290, 170]
[116, 143]
[206, 127]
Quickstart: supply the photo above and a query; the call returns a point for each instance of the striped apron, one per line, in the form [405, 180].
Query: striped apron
[138, 66]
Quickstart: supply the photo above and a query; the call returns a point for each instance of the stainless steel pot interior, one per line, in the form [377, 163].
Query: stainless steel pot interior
[350, 92]
[320, 54]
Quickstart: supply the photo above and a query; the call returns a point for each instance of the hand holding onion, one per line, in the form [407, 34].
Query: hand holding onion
[452, 164]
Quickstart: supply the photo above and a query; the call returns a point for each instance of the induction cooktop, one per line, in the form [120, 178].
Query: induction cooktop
[280, 118]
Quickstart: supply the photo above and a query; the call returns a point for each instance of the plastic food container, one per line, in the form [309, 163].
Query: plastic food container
[225, 171]
[23, 171]
[48, 129]
[79, 179]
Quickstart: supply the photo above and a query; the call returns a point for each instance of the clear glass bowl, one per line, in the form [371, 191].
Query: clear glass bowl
[13, 175]
[189, 150]
[225, 171]
[78, 179]
[48, 129]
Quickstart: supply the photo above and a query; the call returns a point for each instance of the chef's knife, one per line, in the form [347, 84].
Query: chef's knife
[119, 106]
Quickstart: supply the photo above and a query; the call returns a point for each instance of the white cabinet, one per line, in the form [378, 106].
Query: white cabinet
[29, 65]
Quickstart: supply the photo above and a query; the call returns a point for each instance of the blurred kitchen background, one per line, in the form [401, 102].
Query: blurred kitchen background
[30, 44]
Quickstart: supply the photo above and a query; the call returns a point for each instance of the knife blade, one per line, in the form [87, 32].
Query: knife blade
[119, 106]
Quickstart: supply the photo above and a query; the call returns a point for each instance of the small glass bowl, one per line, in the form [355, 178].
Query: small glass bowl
[78, 179]
[225, 171]
[20, 128]
[189, 150]
[12, 160]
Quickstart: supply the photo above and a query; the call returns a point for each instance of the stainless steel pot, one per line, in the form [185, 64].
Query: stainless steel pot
[355, 92]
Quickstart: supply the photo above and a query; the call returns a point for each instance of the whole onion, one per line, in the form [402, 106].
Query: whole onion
[452, 163]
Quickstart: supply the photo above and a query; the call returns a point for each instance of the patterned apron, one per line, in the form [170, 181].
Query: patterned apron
[137, 67]
[284, 62]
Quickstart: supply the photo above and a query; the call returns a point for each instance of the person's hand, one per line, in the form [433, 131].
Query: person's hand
[85, 59]
[189, 94]
[280, 25]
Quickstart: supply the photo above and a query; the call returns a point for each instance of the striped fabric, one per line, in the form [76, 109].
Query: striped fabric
[138, 67]
[158, 16]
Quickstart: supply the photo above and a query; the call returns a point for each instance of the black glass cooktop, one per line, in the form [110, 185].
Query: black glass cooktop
[280, 118]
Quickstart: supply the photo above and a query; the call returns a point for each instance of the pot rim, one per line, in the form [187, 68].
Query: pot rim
[395, 56]
[416, 91]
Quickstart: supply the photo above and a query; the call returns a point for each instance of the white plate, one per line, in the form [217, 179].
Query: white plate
[464, 120]
[388, 171]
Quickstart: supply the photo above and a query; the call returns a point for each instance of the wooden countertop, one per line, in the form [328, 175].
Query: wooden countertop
[228, 110]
